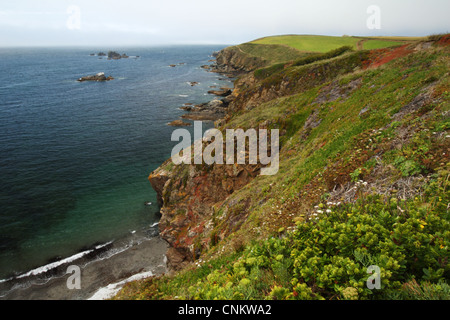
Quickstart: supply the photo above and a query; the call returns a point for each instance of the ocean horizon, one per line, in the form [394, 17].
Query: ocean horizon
[75, 156]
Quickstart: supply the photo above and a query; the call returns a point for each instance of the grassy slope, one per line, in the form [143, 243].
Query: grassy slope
[304, 239]
[272, 53]
[379, 44]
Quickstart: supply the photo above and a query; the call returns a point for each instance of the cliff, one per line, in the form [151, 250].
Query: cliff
[200, 204]
[362, 134]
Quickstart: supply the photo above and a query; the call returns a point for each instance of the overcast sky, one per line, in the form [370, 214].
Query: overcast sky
[149, 22]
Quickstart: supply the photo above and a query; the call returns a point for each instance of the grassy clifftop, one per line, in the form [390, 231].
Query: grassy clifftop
[363, 180]
[311, 43]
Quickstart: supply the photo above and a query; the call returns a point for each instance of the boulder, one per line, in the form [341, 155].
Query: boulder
[223, 92]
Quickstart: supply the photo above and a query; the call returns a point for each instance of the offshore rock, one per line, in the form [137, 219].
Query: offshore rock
[98, 77]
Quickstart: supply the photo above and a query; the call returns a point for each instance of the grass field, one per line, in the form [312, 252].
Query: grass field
[310, 43]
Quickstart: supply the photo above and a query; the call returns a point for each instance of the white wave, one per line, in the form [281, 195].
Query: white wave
[183, 95]
[154, 225]
[53, 265]
[112, 289]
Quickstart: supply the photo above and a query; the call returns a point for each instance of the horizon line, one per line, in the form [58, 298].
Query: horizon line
[206, 43]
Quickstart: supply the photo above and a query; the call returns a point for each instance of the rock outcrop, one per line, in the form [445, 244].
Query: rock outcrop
[223, 92]
[232, 62]
[179, 123]
[188, 196]
[112, 55]
[210, 111]
[98, 77]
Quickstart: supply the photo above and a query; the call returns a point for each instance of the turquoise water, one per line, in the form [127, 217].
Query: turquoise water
[75, 157]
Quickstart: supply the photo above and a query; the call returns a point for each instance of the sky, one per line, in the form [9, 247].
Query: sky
[149, 22]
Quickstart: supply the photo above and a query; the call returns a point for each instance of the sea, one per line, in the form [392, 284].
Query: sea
[75, 156]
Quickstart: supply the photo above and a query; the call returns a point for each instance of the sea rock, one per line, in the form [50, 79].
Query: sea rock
[98, 77]
[179, 123]
[193, 83]
[223, 92]
[114, 55]
[210, 111]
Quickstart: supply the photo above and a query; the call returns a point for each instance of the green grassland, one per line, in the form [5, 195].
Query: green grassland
[309, 43]
[363, 180]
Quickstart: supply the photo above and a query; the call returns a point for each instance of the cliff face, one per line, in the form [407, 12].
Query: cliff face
[233, 62]
[189, 196]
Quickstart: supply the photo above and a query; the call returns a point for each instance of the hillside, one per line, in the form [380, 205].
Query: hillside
[363, 180]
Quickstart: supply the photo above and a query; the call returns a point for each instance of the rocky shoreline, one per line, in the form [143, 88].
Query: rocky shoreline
[187, 194]
[216, 109]
[101, 277]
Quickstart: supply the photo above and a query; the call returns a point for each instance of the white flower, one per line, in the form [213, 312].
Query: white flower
[328, 211]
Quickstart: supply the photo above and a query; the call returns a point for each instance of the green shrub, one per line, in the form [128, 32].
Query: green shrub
[408, 167]
[328, 257]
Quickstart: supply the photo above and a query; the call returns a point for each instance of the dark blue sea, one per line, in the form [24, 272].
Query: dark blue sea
[75, 156]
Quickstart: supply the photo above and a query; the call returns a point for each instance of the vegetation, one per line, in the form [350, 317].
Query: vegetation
[327, 256]
[364, 180]
[270, 53]
[379, 44]
[309, 43]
